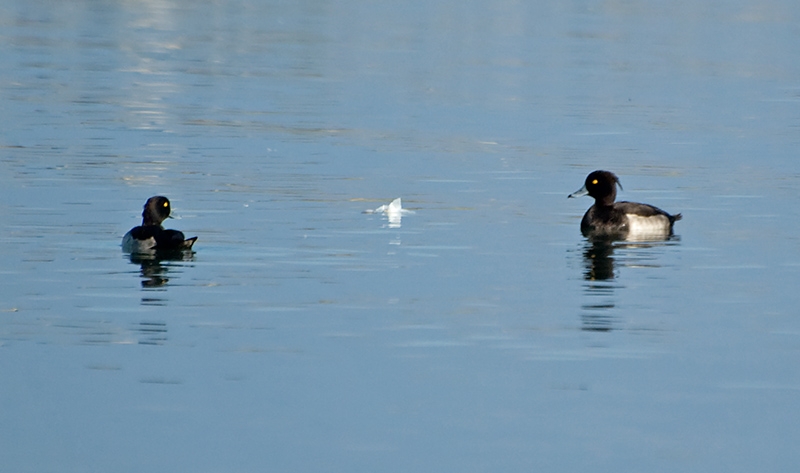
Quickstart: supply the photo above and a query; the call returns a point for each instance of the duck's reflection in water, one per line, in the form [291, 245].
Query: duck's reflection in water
[151, 332]
[598, 273]
[158, 267]
[601, 273]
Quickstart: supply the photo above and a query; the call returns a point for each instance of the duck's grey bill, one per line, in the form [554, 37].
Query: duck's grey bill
[579, 193]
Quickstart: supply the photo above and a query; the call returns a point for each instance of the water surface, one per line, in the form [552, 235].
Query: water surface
[481, 334]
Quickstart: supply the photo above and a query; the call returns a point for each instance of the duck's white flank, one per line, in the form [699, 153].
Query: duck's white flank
[132, 245]
[647, 228]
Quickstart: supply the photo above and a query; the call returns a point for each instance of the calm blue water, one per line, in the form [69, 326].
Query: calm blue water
[481, 334]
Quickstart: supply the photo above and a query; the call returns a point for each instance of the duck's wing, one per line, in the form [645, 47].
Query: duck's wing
[641, 210]
[145, 232]
[170, 240]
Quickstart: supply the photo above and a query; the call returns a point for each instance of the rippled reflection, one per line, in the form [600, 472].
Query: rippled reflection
[151, 333]
[601, 262]
[158, 267]
[598, 271]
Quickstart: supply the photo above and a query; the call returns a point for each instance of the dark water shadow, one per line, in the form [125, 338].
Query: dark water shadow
[151, 332]
[598, 272]
[158, 268]
[602, 260]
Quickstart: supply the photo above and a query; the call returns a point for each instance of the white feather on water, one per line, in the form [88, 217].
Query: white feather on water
[394, 212]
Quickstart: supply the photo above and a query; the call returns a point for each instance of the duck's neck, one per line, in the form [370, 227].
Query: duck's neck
[606, 202]
[148, 220]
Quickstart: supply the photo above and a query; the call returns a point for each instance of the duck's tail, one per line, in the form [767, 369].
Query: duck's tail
[187, 243]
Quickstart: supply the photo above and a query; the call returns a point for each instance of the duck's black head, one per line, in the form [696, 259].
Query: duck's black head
[156, 210]
[602, 185]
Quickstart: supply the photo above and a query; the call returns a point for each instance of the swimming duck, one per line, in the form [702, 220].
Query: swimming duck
[607, 219]
[150, 235]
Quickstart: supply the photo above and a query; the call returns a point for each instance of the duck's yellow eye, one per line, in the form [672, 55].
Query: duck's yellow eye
[594, 181]
[166, 204]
